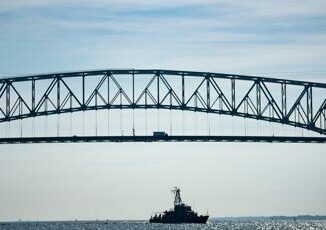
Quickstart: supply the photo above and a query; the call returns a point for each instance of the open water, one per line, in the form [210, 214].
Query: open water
[126, 225]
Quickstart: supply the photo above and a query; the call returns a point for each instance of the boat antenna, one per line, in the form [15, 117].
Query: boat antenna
[177, 197]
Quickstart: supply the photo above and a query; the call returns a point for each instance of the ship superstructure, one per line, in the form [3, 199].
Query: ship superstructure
[181, 213]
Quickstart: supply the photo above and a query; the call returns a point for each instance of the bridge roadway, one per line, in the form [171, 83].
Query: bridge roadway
[78, 139]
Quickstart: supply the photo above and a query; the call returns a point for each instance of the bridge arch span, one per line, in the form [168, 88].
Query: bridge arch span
[253, 97]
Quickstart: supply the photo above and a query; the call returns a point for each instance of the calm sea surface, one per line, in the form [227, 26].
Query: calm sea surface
[230, 224]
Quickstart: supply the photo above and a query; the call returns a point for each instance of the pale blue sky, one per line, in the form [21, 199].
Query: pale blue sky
[223, 36]
[129, 181]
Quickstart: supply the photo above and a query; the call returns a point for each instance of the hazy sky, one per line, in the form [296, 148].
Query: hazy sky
[130, 181]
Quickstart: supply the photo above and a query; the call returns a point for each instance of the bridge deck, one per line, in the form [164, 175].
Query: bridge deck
[77, 139]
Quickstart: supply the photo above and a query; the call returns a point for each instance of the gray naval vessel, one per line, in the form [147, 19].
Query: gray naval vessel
[181, 213]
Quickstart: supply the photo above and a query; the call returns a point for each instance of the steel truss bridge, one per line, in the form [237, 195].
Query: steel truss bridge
[267, 99]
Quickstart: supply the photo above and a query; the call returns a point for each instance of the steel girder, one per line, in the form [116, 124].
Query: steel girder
[207, 95]
[80, 139]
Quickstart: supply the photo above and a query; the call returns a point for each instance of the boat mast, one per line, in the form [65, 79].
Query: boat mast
[177, 197]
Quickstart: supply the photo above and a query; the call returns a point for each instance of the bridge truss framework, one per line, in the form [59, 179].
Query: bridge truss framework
[264, 98]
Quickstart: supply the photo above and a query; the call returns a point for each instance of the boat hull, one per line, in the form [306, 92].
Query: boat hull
[197, 220]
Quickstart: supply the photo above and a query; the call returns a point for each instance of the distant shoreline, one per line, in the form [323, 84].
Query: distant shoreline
[248, 218]
[237, 218]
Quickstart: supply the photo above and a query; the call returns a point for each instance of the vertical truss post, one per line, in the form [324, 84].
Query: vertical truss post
[96, 95]
[158, 89]
[20, 107]
[220, 103]
[133, 104]
[133, 89]
[58, 94]
[83, 86]
[146, 98]
[233, 94]
[245, 106]
[170, 98]
[208, 93]
[46, 103]
[183, 90]
[21, 120]
[33, 95]
[258, 98]
[283, 95]
[309, 105]
[70, 102]
[8, 99]
[120, 96]
[109, 89]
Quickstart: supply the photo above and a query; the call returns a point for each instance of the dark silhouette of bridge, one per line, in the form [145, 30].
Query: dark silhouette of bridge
[266, 99]
[79, 139]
